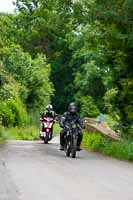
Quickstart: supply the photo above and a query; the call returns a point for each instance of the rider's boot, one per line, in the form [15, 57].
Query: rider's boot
[62, 140]
[79, 148]
[61, 148]
[79, 141]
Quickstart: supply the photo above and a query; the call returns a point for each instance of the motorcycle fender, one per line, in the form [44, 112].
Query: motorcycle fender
[43, 134]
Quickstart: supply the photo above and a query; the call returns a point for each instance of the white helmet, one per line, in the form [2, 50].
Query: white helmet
[49, 107]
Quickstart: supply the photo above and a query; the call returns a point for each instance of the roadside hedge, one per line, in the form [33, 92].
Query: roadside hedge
[98, 143]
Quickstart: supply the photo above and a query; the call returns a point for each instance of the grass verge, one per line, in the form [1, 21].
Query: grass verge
[98, 143]
[2, 134]
[56, 130]
[23, 133]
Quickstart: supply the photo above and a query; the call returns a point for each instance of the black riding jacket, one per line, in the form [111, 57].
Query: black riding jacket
[69, 117]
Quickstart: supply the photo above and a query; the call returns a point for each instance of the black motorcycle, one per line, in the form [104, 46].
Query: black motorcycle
[70, 140]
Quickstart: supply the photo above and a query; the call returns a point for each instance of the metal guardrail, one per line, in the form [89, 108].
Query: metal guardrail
[92, 125]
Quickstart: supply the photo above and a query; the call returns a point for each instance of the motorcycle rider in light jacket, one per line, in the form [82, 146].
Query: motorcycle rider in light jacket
[49, 113]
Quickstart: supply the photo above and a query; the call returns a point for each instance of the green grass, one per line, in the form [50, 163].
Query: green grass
[56, 130]
[2, 134]
[112, 123]
[98, 143]
[23, 133]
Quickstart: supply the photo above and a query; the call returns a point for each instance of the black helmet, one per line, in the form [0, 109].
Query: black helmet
[72, 108]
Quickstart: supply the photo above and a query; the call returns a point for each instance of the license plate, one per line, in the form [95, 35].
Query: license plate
[43, 134]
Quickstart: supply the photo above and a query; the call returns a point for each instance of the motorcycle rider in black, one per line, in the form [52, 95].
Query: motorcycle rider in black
[67, 118]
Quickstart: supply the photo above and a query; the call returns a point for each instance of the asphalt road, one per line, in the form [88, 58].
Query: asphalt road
[34, 171]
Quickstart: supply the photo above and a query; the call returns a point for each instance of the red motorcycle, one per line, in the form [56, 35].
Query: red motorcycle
[46, 133]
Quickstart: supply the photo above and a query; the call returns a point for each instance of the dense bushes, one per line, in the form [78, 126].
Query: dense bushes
[12, 112]
[88, 107]
[120, 150]
[31, 74]
[25, 85]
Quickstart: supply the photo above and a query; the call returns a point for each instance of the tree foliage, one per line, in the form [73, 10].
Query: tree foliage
[89, 46]
[24, 81]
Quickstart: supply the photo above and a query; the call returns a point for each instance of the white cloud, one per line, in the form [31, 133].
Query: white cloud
[7, 6]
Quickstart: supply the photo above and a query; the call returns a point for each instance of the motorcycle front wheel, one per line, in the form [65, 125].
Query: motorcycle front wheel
[45, 141]
[68, 149]
[74, 148]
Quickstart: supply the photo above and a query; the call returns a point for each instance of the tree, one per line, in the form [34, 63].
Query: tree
[89, 46]
[12, 111]
[88, 107]
[42, 28]
[32, 74]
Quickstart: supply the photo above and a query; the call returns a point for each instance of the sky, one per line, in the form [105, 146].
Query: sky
[7, 6]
